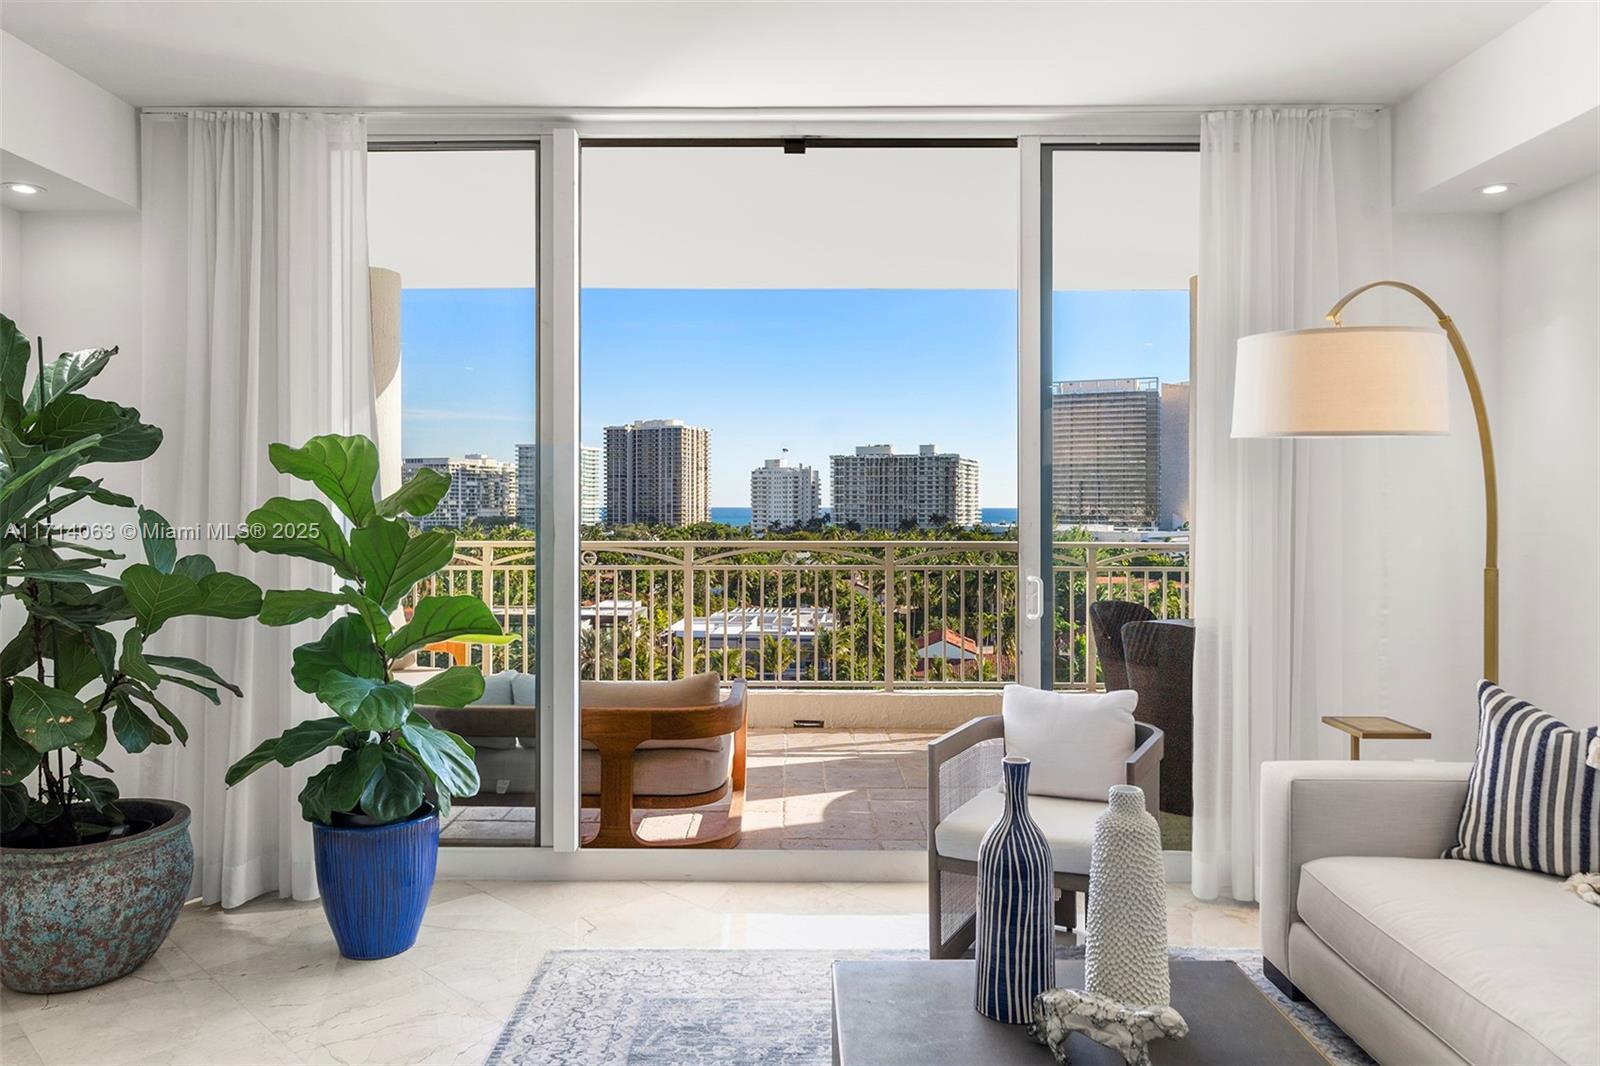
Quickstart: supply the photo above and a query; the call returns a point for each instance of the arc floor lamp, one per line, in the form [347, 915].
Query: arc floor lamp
[1369, 381]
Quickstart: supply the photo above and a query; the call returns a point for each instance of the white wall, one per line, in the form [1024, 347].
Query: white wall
[55, 118]
[1523, 104]
[10, 262]
[1547, 401]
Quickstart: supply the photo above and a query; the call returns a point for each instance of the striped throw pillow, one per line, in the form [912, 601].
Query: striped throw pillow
[1531, 801]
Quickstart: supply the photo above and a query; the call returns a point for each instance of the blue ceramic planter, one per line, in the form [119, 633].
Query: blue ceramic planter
[1015, 948]
[375, 882]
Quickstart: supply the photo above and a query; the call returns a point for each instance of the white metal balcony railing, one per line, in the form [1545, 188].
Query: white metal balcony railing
[844, 614]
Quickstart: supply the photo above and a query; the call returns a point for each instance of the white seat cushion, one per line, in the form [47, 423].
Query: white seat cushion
[1067, 824]
[669, 771]
[1500, 964]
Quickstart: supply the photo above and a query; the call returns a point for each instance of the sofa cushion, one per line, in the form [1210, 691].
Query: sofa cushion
[1068, 824]
[1531, 801]
[1078, 742]
[497, 689]
[697, 690]
[1498, 963]
[668, 771]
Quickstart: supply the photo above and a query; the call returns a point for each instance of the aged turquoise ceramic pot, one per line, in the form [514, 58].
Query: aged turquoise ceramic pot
[81, 916]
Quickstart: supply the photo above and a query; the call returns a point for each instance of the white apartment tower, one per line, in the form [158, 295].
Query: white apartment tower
[784, 495]
[591, 490]
[658, 473]
[878, 489]
[591, 486]
[482, 490]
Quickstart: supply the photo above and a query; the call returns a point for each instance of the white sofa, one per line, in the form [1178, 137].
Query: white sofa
[1419, 959]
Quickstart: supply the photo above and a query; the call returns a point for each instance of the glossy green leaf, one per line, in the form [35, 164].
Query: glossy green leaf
[160, 546]
[378, 706]
[259, 756]
[456, 686]
[346, 648]
[18, 758]
[339, 787]
[285, 607]
[98, 792]
[438, 618]
[133, 661]
[375, 617]
[166, 713]
[190, 683]
[392, 561]
[97, 492]
[344, 468]
[25, 484]
[417, 497]
[446, 757]
[134, 729]
[195, 567]
[66, 373]
[15, 356]
[302, 741]
[45, 717]
[92, 746]
[157, 598]
[396, 788]
[14, 800]
[123, 438]
[301, 528]
[185, 665]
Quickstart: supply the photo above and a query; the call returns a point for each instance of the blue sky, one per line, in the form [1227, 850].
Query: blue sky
[816, 371]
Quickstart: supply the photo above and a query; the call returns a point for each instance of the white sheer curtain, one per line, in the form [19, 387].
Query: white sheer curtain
[1294, 212]
[256, 330]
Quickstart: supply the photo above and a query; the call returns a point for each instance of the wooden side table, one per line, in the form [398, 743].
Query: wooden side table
[1373, 727]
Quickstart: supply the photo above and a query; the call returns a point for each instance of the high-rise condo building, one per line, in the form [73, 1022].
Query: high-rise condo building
[1175, 509]
[591, 486]
[591, 490]
[528, 486]
[1105, 448]
[878, 489]
[482, 490]
[658, 473]
[784, 495]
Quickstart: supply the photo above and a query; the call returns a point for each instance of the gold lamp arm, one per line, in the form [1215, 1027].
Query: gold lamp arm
[1491, 540]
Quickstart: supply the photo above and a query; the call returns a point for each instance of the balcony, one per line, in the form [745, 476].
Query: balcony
[857, 653]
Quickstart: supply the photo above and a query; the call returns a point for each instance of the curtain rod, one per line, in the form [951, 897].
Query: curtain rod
[756, 114]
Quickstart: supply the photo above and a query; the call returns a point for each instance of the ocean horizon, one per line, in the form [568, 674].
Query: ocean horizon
[740, 516]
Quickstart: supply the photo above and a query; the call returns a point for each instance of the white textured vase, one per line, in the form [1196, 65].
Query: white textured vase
[1125, 958]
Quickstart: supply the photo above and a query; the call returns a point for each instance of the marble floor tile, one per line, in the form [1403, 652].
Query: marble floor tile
[264, 982]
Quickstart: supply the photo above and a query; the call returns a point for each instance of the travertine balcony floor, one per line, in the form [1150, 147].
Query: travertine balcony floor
[807, 789]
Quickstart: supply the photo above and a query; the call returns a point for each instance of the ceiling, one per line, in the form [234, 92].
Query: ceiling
[635, 55]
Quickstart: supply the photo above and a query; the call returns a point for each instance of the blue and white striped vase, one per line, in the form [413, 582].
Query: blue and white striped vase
[1015, 924]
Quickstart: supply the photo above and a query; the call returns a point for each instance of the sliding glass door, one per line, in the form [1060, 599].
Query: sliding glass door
[453, 235]
[1110, 388]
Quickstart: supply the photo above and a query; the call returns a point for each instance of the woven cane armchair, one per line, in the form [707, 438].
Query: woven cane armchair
[963, 775]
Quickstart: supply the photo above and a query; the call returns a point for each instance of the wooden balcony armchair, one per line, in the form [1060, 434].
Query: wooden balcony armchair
[963, 801]
[661, 745]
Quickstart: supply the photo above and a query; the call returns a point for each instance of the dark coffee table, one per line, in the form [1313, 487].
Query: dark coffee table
[920, 1013]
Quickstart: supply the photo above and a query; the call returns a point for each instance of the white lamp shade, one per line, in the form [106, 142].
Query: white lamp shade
[1343, 381]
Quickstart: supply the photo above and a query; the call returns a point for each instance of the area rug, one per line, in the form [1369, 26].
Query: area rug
[666, 1007]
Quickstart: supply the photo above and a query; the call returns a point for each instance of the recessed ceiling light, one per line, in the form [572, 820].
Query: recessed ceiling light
[1495, 189]
[24, 188]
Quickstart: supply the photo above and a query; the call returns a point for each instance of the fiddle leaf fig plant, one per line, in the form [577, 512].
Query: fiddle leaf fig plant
[82, 670]
[390, 756]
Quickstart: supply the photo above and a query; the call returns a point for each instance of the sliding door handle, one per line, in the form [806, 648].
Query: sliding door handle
[1034, 609]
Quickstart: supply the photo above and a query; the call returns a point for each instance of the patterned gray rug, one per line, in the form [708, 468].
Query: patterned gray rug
[666, 1007]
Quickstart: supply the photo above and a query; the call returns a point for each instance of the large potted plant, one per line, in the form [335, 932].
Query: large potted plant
[90, 883]
[375, 809]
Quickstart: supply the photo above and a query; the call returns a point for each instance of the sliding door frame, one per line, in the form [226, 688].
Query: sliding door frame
[1035, 372]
